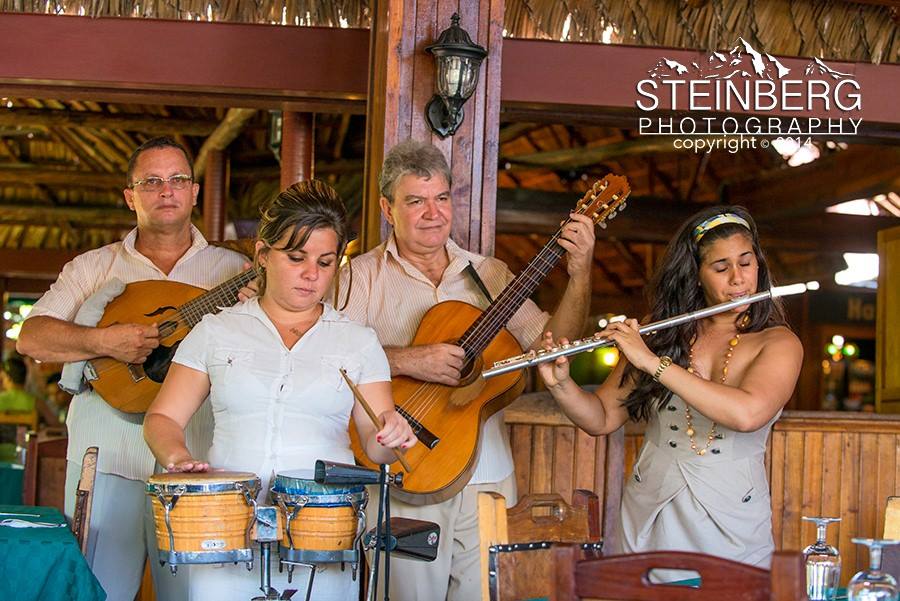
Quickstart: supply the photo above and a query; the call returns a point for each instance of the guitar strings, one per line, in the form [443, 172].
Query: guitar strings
[192, 311]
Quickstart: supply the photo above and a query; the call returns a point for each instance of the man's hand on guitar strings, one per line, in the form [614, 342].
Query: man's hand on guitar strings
[129, 342]
[578, 239]
[440, 363]
[251, 289]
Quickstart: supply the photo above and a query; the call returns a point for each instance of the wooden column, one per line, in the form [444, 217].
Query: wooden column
[215, 193]
[401, 82]
[297, 148]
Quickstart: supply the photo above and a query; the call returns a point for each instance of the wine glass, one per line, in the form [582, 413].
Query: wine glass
[823, 564]
[873, 584]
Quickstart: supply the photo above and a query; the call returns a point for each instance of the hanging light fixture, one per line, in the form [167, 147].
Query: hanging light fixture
[457, 61]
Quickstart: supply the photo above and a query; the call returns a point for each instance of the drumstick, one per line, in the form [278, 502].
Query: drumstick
[373, 417]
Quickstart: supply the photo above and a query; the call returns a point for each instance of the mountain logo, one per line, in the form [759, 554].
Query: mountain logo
[743, 61]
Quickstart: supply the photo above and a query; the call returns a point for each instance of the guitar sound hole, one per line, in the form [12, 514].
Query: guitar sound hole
[157, 364]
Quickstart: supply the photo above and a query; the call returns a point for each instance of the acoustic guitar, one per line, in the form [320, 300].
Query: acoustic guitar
[175, 308]
[447, 420]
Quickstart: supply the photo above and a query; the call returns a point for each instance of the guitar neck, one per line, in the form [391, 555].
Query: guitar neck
[223, 295]
[498, 314]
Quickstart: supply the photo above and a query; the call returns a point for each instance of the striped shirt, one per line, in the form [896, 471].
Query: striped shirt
[390, 295]
[92, 422]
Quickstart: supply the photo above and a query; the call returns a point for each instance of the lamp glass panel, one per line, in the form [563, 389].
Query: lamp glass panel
[456, 77]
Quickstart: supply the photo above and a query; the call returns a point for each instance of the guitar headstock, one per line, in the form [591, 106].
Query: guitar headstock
[605, 199]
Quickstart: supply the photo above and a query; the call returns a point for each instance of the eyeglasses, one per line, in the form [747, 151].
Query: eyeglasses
[155, 184]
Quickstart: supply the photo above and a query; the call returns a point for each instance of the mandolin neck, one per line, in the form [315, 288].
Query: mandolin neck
[498, 314]
[223, 295]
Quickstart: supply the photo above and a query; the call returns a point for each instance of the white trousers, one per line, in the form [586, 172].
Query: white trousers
[455, 575]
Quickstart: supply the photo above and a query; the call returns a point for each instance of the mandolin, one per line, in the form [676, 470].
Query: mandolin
[447, 420]
[175, 308]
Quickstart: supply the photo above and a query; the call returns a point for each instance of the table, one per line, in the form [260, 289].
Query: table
[11, 483]
[37, 564]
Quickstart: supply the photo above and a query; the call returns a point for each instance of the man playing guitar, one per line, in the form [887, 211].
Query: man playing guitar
[392, 287]
[160, 189]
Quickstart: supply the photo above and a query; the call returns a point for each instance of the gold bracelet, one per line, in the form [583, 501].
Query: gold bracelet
[664, 362]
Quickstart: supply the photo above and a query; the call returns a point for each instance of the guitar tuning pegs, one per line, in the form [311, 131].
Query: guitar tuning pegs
[602, 225]
[604, 206]
[615, 197]
[622, 206]
[612, 215]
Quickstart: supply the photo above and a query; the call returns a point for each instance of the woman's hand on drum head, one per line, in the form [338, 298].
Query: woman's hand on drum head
[187, 465]
[396, 432]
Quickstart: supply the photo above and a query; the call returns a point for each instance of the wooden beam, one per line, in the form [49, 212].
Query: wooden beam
[181, 62]
[230, 128]
[33, 263]
[574, 158]
[38, 213]
[298, 146]
[652, 220]
[857, 172]
[139, 123]
[215, 193]
[26, 174]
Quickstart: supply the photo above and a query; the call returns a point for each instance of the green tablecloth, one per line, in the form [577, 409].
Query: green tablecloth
[11, 483]
[37, 564]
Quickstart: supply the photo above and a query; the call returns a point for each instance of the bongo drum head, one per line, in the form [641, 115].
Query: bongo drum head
[301, 482]
[201, 482]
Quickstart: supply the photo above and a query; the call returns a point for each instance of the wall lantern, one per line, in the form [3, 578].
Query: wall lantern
[457, 61]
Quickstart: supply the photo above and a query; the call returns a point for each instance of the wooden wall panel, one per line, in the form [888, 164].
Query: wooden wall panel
[820, 464]
[887, 343]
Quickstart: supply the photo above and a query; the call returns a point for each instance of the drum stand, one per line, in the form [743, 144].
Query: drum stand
[382, 533]
[267, 533]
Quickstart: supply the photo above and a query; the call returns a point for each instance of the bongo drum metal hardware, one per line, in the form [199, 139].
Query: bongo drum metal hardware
[323, 523]
[204, 517]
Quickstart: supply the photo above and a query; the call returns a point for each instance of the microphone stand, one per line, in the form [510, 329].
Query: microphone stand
[382, 536]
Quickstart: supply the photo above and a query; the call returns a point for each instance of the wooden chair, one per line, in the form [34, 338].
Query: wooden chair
[44, 480]
[516, 544]
[29, 419]
[625, 578]
[890, 556]
[84, 498]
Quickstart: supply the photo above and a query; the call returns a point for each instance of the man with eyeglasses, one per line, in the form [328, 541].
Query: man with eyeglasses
[164, 246]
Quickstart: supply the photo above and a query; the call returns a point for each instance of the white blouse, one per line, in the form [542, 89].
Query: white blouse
[275, 408]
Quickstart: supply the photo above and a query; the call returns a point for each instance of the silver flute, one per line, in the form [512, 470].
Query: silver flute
[534, 357]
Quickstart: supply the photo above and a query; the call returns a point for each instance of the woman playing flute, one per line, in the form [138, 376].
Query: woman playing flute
[710, 391]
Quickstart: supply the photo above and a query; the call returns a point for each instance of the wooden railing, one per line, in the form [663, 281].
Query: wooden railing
[820, 464]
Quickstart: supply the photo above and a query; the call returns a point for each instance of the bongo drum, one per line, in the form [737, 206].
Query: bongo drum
[203, 517]
[322, 522]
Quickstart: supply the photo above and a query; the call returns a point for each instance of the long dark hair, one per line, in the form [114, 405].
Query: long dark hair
[673, 290]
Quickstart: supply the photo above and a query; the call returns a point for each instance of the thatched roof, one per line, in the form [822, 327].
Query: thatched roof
[829, 29]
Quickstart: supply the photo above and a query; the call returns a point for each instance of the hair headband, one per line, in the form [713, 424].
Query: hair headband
[716, 221]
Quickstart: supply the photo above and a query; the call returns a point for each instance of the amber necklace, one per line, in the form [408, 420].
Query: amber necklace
[732, 344]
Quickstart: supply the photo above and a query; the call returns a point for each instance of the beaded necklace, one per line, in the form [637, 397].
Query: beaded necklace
[729, 351]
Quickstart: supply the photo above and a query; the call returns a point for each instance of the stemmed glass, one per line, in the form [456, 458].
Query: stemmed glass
[873, 584]
[823, 564]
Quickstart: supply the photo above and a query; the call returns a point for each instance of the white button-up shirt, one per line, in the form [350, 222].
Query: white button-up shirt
[278, 409]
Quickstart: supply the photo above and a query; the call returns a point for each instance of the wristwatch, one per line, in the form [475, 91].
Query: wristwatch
[664, 362]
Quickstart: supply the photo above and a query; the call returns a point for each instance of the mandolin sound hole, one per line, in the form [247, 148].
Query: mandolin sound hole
[157, 364]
